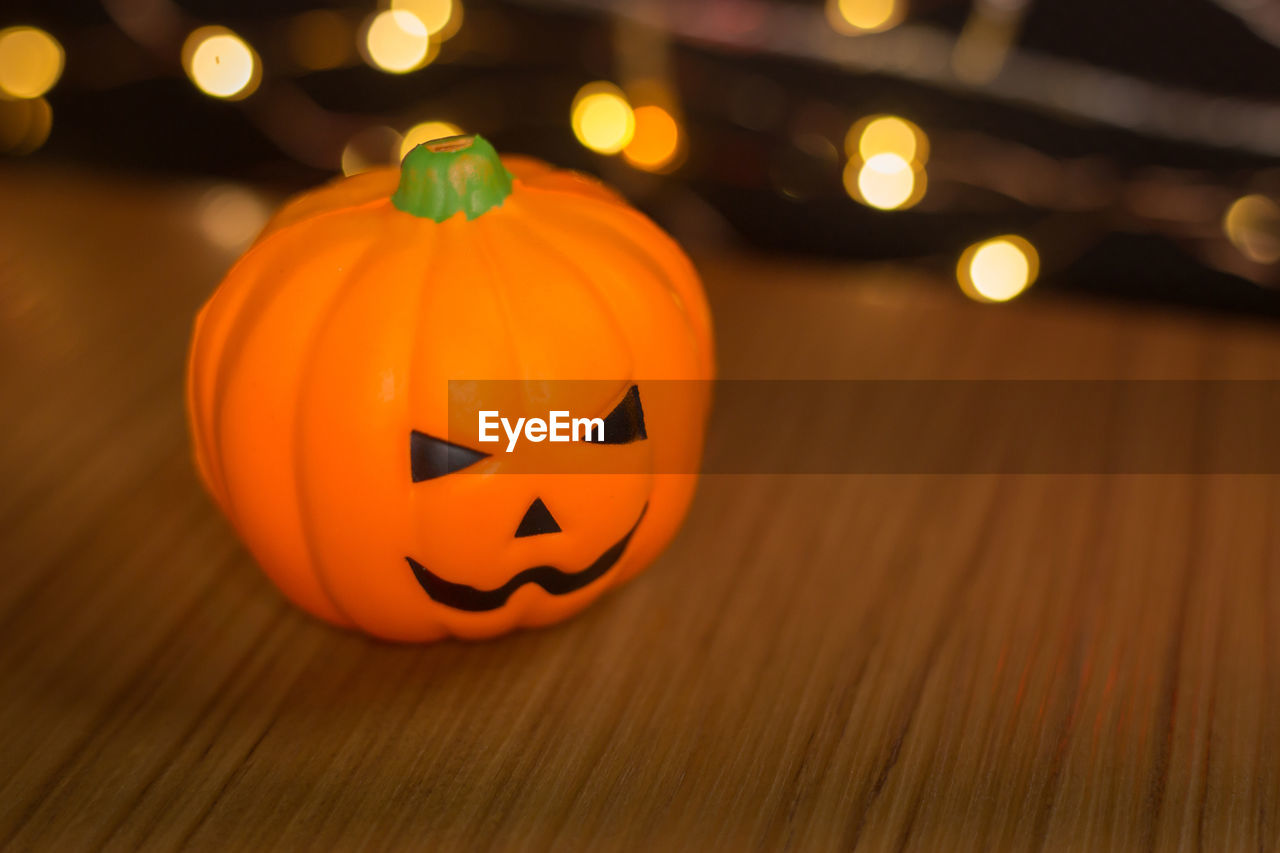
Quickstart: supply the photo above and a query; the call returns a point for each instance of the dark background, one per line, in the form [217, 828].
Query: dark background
[753, 173]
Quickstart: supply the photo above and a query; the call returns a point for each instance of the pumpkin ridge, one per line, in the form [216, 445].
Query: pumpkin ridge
[197, 415]
[306, 377]
[247, 313]
[268, 237]
[565, 195]
[261, 291]
[243, 313]
[588, 281]
[421, 295]
[491, 251]
[207, 338]
[588, 186]
[495, 279]
[606, 210]
[603, 211]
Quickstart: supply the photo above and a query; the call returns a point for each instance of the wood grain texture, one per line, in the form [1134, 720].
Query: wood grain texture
[885, 662]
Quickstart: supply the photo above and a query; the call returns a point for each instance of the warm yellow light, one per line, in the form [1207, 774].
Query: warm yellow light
[15, 121]
[863, 16]
[220, 63]
[30, 62]
[371, 148]
[656, 140]
[436, 15]
[320, 39]
[885, 181]
[397, 42]
[425, 132]
[998, 269]
[887, 135]
[24, 124]
[1252, 224]
[40, 127]
[602, 119]
[230, 217]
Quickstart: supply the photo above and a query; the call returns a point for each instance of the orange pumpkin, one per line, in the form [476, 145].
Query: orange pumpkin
[319, 393]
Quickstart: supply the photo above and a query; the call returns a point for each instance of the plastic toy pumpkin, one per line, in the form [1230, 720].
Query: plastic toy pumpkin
[319, 392]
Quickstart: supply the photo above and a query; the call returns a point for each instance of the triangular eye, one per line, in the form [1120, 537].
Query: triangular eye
[434, 457]
[625, 423]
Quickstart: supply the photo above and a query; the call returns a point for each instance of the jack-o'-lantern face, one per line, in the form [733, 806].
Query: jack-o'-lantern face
[434, 458]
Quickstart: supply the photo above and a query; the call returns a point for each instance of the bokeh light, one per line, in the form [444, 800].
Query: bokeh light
[425, 132]
[998, 269]
[602, 118]
[230, 216]
[887, 154]
[396, 41]
[440, 17]
[1252, 224]
[371, 148]
[15, 120]
[24, 124]
[886, 181]
[320, 39]
[30, 62]
[887, 134]
[221, 63]
[655, 144]
[864, 16]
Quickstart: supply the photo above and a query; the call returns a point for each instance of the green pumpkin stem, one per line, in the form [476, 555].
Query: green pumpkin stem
[441, 177]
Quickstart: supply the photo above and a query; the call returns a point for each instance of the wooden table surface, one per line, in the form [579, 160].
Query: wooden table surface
[920, 662]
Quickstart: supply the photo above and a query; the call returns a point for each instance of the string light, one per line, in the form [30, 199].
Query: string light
[221, 63]
[30, 62]
[425, 132]
[440, 17]
[998, 269]
[1252, 224]
[887, 134]
[885, 182]
[852, 17]
[1035, 80]
[320, 39]
[602, 118]
[396, 41]
[655, 144]
[886, 162]
[887, 154]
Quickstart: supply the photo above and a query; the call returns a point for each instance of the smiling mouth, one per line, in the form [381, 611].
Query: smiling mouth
[460, 596]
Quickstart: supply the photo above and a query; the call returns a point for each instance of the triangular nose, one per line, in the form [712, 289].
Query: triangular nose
[537, 519]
